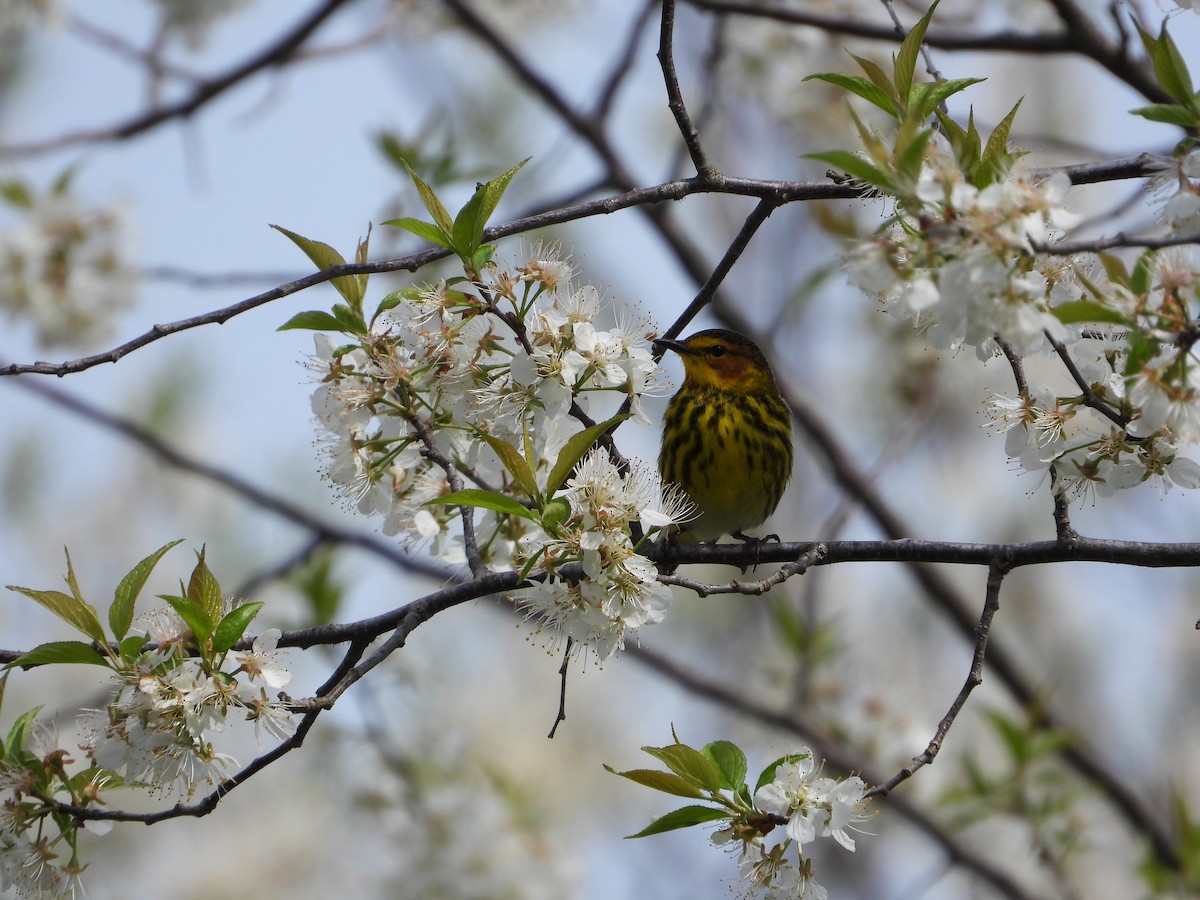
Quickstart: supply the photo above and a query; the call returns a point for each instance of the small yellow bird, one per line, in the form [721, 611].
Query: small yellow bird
[727, 434]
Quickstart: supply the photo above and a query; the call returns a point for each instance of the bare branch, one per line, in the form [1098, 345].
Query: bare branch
[991, 604]
[274, 55]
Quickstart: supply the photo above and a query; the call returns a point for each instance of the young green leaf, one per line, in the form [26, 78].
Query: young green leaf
[231, 628]
[853, 165]
[1087, 311]
[472, 219]
[441, 216]
[928, 96]
[205, 592]
[905, 64]
[72, 610]
[193, 615]
[575, 449]
[690, 764]
[685, 817]
[312, 320]
[880, 79]
[323, 257]
[426, 230]
[1169, 66]
[1167, 113]
[667, 782]
[768, 774]
[515, 463]
[132, 646]
[1143, 273]
[484, 500]
[857, 85]
[19, 733]
[731, 762]
[120, 614]
[997, 142]
[60, 652]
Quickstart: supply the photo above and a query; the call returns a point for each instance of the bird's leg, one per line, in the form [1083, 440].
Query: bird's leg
[751, 548]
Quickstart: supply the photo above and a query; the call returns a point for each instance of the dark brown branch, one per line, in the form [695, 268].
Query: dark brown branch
[666, 59]
[275, 55]
[777, 192]
[991, 604]
[1080, 37]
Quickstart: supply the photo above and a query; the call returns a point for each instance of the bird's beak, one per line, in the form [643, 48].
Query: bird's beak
[678, 346]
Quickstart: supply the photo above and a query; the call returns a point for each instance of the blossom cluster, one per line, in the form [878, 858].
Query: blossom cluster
[975, 267]
[156, 731]
[620, 588]
[62, 268]
[480, 386]
[157, 728]
[809, 806]
[960, 261]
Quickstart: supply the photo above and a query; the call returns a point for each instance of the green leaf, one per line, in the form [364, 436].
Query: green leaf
[768, 774]
[17, 194]
[690, 764]
[19, 733]
[730, 761]
[391, 301]
[56, 652]
[1170, 69]
[425, 230]
[1114, 268]
[231, 628]
[908, 166]
[1139, 350]
[132, 646]
[483, 500]
[1087, 311]
[667, 782]
[205, 592]
[120, 614]
[1168, 113]
[323, 257]
[853, 164]
[857, 85]
[554, 514]
[75, 612]
[441, 216]
[1143, 273]
[574, 450]
[997, 142]
[472, 219]
[880, 79]
[313, 320]
[515, 463]
[905, 64]
[350, 320]
[193, 615]
[685, 817]
[933, 94]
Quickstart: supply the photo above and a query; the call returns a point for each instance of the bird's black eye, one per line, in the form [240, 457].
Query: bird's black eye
[717, 350]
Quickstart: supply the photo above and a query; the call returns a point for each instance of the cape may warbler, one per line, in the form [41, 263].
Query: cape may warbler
[727, 434]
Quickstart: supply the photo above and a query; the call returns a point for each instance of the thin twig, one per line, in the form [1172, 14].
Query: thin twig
[666, 59]
[275, 55]
[991, 603]
[562, 690]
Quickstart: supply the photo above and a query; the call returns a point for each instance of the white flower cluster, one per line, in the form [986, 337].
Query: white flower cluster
[62, 270]
[960, 261]
[1181, 211]
[453, 369]
[157, 728]
[620, 589]
[809, 806]
[964, 263]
